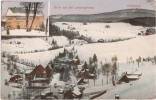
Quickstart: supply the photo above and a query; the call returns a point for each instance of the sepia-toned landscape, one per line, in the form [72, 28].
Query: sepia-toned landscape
[50, 55]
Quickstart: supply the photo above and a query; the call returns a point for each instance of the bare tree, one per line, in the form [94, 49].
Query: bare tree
[36, 6]
[114, 69]
[27, 6]
[138, 60]
[46, 27]
[107, 69]
[154, 59]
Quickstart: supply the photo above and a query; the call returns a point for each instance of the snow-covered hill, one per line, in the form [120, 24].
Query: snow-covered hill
[107, 31]
[140, 46]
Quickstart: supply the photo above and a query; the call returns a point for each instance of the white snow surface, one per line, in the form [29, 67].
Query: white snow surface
[23, 32]
[99, 31]
[24, 45]
[144, 88]
[143, 46]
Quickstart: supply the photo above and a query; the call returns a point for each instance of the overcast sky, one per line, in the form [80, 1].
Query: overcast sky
[16, 3]
[83, 6]
[97, 6]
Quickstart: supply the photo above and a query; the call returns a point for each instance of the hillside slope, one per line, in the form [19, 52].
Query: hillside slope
[127, 15]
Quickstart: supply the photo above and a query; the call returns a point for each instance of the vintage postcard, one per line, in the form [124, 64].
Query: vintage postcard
[78, 49]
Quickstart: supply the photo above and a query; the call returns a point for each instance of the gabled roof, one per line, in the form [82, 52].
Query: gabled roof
[39, 70]
[20, 11]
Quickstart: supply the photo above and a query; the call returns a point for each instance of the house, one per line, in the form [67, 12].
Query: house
[16, 19]
[125, 77]
[84, 73]
[150, 31]
[38, 72]
[15, 79]
[49, 71]
[38, 77]
[101, 40]
[78, 42]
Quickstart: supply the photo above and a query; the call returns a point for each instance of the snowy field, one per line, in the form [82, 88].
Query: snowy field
[105, 31]
[24, 45]
[23, 32]
[18, 45]
[141, 46]
[144, 88]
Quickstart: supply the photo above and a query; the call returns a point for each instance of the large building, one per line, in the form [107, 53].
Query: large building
[16, 19]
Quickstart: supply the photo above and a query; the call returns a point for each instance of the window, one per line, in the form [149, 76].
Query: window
[20, 18]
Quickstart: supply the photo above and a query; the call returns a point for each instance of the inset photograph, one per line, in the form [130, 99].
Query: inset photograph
[24, 18]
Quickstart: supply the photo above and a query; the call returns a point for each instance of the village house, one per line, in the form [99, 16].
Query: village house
[39, 77]
[125, 77]
[15, 79]
[16, 19]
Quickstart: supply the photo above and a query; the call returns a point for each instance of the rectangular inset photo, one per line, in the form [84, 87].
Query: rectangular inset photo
[24, 18]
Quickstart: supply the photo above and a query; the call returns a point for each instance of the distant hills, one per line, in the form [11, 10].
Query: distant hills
[141, 17]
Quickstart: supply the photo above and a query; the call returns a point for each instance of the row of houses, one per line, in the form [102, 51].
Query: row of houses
[38, 77]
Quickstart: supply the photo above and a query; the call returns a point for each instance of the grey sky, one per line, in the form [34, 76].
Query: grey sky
[97, 6]
[83, 6]
[16, 3]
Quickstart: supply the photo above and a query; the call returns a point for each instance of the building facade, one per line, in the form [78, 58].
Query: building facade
[16, 19]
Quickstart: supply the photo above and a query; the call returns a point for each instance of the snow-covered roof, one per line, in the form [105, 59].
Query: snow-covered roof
[20, 11]
[132, 76]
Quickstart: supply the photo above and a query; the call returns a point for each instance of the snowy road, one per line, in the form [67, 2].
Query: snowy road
[144, 88]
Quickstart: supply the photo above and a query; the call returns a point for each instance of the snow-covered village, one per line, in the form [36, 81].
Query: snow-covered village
[46, 56]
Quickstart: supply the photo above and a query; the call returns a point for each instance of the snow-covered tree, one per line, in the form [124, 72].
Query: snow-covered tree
[95, 58]
[155, 59]
[107, 67]
[138, 61]
[114, 69]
